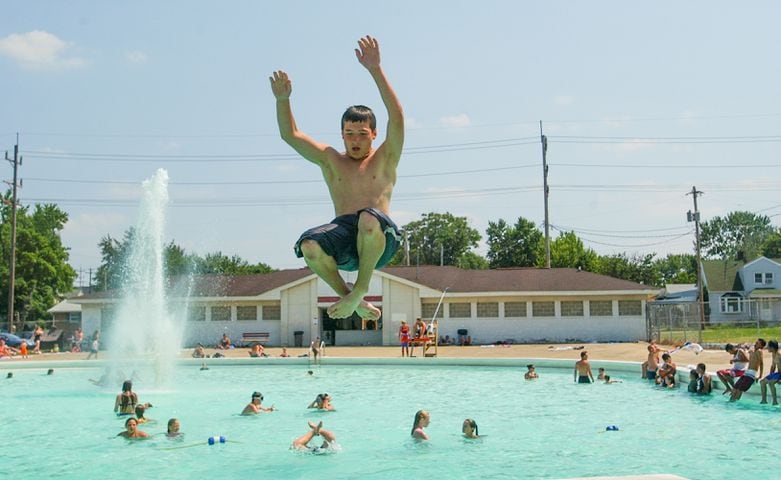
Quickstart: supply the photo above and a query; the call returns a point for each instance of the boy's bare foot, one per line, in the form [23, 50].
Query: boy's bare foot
[350, 303]
[367, 311]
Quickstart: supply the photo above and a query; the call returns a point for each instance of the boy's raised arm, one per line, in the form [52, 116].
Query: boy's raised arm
[368, 55]
[308, 148]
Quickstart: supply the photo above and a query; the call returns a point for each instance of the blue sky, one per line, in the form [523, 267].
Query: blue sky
[639, 101]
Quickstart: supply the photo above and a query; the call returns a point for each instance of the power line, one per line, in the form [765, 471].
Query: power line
[664, 140]
[664, 165]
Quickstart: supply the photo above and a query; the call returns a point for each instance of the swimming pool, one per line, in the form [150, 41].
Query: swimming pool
[63, 426]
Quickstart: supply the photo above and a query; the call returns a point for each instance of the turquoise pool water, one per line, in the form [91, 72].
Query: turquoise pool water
[62, 426]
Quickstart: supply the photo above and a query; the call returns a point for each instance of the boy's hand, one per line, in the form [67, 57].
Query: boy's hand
[369, 53]
[280, 85]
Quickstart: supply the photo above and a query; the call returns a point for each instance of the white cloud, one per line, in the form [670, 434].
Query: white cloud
[461, 120]
[39, 50]
[136, 56]
[411, 123]
[563, 100]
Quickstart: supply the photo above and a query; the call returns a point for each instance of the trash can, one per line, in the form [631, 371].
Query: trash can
[298, 338]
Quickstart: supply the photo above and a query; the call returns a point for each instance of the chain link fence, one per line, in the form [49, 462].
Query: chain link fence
[679, 322]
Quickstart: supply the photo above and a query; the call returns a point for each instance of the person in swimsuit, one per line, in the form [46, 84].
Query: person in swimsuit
[775, 373]
[755, 364]
[254, 407]
[531, 372]
[665, 377]
[422, 419]
[322, 402]
[360, 180]
[173, 429]
[583, 369]
[132, 431]
[37, 336]
[651, 364]
[302, 442]
[140, 418]
[739, 363]
[404, 338]
[125, 403]
[469, 428]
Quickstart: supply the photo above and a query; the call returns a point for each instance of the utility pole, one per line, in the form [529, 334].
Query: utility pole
[16, 162]
[695, 217]
[544, 142]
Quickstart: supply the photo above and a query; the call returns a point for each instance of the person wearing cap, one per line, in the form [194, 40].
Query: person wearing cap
[254, 407]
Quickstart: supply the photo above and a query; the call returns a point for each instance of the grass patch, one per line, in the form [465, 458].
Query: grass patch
[722, 334]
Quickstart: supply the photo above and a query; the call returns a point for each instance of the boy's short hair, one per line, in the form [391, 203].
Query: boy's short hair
[359, 113]
[772, 344]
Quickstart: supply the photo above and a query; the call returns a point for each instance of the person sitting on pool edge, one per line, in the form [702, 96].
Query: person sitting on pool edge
[302, 442]
[531, 373]
[469, 428]
[254, 407]
[132, 431]
[774, 375]
[422, 419]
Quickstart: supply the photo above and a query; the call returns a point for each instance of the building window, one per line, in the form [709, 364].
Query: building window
[514, 309]
[488, 310]
[221, 314]
[600, 308]
[544, 309]
[731, 303]
[630, 307]
[460, 310]
[763, 278]
[768, 278]
[196, 314]
[74, 317]
[427, 311]
[247, 313]
[757, 278]
[272, 312]
[571, 309]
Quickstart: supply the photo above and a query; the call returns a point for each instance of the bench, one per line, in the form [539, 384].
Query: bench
[248, 338]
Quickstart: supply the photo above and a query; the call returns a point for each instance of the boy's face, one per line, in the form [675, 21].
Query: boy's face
[358, 137]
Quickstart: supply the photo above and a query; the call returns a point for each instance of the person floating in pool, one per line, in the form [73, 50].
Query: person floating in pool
[756, 368]
[583, 369]
[774, 375]
[469, 428]
[254, 407]
[322, 402]
[302, 442]
[531, 372]
[360, 180]
[173, 429]
[132, 431]
[422, 419]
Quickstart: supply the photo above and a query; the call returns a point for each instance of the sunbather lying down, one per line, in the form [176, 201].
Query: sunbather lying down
[581, 347]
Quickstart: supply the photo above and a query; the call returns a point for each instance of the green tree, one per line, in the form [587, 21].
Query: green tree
[636, 268]
[677, 268]
[567, 251]
[437, 233]
[739, 234]
[772, 246]
[518, 245]
[219, 263]
[42, 271]
[472, 261]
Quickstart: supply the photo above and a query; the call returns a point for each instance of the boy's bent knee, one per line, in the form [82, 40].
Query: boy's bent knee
[368, 223]
[311, 249]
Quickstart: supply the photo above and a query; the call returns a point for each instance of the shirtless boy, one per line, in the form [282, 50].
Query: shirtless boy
[360, 180]
[583, 369]
[651, 364]
[755, 364]
[774, 375]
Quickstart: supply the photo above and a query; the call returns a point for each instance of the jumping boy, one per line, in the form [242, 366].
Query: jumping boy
[360, 180]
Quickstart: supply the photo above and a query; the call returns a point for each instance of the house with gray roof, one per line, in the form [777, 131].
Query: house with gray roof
[515, 304]
[740, 291]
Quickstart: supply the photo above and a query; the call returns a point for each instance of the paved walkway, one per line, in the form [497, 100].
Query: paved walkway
[625, 352]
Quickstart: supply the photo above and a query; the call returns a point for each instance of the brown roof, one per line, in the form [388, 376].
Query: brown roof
[224, 285]
[512, 279]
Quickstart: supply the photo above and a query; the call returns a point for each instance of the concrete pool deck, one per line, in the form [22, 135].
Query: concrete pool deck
[617, 352]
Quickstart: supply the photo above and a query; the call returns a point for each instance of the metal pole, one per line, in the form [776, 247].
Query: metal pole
[700, 294]
[12, 267]
[544, 142]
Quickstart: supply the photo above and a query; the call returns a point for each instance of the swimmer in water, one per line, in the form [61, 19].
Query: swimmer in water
[173, 429]
[322, 402]
[469, 428]
[302, 442]
[132, 431]
[254, 407]
[422, 420]
[531, 373]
